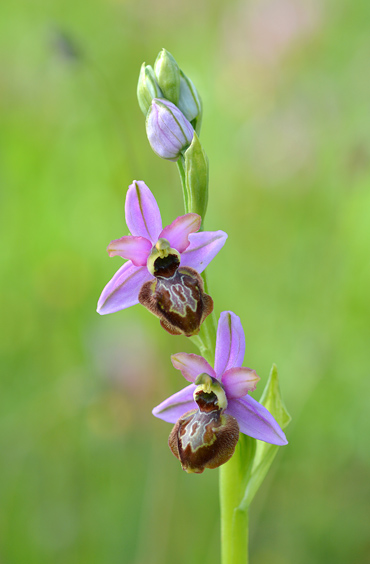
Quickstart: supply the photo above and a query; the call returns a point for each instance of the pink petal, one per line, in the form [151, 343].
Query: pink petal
[230, 343]
[175, 406]
[142, 213]
[239, 381]
[177, 234]
[203, 248]
[123, 290]
[254, 420]
[191, 365]
[135, 249]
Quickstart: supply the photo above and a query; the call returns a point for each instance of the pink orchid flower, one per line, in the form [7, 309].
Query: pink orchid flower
[216, 404]
[163, 266]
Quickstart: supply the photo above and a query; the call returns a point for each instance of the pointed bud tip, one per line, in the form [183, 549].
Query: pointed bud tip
[147, 88]
[167, 74]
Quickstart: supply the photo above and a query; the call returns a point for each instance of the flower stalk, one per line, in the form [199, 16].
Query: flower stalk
[234, 521]
[205, 341]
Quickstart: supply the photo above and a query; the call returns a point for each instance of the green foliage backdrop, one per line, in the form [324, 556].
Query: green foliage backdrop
[85, 472]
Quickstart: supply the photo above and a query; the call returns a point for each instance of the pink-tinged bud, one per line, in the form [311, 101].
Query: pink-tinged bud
[169, 132]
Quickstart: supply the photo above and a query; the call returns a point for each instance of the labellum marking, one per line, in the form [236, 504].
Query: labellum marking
[198, 432]
[176, 296]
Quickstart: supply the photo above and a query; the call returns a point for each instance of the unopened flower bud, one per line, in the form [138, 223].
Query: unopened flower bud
[169, 132]
[147, 88]
[189, 102]
[167, 74]
[205, 437]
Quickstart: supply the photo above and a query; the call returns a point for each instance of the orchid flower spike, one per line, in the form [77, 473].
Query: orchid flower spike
[164, 265]
[211, 411]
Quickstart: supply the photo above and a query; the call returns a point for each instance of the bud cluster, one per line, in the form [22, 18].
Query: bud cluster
[171, 104]
[173, 111]
[168, 81]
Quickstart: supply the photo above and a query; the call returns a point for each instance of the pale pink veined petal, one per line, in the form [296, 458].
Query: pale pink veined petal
[123, 289]
[239, 381]
[136, 249]
[175, 406]
[254, 420]
[143, 217]
[177, 234]
[203, 248]
[230, 343]
[191, 365]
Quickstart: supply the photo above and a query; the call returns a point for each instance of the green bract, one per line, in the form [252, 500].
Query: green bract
[195, 165]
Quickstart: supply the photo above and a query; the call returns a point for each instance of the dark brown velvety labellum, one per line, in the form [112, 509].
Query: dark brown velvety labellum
[204, 439]
[177, 297]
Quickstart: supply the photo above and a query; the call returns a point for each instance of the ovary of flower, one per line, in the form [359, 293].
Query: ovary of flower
[164, 265]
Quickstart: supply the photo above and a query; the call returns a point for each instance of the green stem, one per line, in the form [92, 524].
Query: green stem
[181, 168]
[206, 339]
[234, 518]
[234, 521]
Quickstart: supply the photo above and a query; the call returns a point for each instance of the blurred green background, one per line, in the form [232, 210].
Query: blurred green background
[85, 472]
